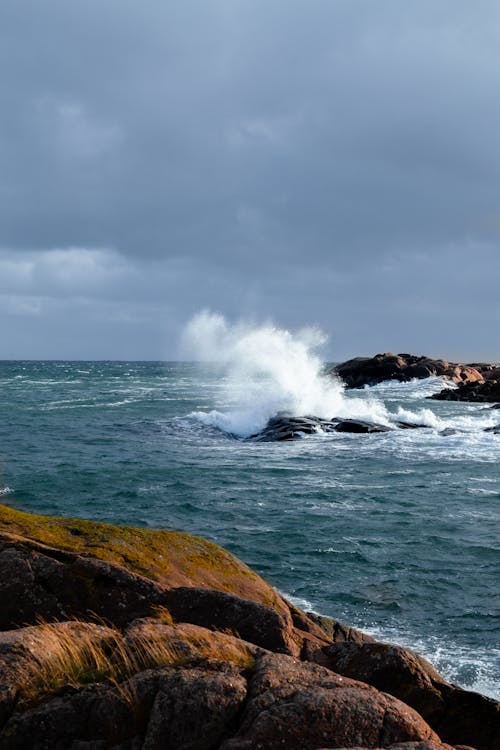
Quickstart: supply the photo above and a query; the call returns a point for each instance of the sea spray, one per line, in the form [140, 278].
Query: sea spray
[269, 370]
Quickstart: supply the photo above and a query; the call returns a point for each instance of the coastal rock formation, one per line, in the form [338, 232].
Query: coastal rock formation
[484, 392]
[294, 705]
[285, 427]
[197, 652]
[459, 716]
[361, 371]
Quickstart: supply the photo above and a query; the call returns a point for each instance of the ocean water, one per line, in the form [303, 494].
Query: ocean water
[394, 533]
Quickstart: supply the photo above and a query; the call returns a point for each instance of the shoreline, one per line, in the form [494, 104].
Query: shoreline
[172, 589]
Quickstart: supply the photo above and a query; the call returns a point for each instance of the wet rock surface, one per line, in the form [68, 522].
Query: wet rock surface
[361, 371]
[487, 391]
[285, 427]
[203, 669]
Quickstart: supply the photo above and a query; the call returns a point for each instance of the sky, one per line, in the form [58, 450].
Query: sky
[325, 162]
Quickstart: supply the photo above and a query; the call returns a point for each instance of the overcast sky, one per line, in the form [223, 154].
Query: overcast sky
[328, 162]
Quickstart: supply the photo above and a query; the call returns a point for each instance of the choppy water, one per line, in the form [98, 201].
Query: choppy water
[396, 533]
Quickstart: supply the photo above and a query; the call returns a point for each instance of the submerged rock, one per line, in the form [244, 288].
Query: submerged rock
[361, 371]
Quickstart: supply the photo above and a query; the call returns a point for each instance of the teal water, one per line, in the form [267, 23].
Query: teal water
[395, 533]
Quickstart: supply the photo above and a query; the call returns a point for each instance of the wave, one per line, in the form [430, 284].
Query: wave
[473, 668]
[269, 370]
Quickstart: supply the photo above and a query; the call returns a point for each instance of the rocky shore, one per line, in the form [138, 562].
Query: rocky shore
[130, 639]
[478, 381]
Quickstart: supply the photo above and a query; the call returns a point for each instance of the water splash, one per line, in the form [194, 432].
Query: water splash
[269, 370]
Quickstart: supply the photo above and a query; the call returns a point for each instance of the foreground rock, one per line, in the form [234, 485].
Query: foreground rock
[361, 371]
[278, 703]
[198, 665]
[167, 558]
[459, 716]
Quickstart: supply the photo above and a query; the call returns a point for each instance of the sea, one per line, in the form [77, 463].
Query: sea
[395, 533]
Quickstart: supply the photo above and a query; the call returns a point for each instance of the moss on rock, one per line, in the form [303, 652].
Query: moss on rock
[168, 557]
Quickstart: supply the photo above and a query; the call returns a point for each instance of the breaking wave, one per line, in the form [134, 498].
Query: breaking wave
[269, 370]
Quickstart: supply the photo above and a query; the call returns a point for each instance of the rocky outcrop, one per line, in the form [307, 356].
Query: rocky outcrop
[285, 427]
[168, 558]
[277, 703]
[484, 392]
[37, 581]
[297, 705]
[458, 716]
[361, 371]
[196, 666]
[256, 623]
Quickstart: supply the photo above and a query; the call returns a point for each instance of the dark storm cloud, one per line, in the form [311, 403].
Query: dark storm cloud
[311, 162]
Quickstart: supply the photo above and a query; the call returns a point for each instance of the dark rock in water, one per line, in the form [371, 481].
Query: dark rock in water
[283, 427]
[362, 371]
[487, 391]
[410, 425]
[448, 432]
[289, 428]
[359, 426]
[495, 429]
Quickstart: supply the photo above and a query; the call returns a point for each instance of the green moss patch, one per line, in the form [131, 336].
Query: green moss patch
[171, 558]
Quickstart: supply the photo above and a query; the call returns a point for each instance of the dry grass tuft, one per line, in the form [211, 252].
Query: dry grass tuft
[81, 658]
[163, 614]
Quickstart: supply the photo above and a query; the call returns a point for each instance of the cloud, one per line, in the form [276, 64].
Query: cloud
[263, 158]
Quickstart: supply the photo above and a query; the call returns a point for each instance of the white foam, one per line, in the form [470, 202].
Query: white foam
[5, 491]
[471, 668]
[271, 370]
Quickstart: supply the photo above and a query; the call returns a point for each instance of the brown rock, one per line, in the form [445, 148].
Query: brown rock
[362, 371]
[248, 620]
[40, 582]
[195, 709]
[167, 557]
[458, 716]
[482, 392]
[157, 709]
[337, 632]
[297, 705]
[189, 643]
